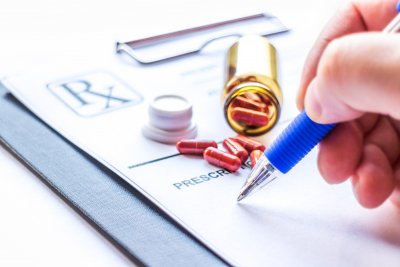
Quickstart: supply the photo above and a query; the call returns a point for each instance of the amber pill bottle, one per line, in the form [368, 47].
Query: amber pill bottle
[252, 97]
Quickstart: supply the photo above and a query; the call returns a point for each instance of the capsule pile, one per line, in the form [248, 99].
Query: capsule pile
[237, 152]
[250, 109]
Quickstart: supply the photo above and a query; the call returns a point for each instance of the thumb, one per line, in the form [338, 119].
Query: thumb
[356, 74]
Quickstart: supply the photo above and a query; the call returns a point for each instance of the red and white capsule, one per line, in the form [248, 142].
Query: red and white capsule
[249, 117]
[253, 96]
[243, 102]
[266, 100]
[222, 159]
[192, 146]
[249, 144]
[235, 149]
[255, 155]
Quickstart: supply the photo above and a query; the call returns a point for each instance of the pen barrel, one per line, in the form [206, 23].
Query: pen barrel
[296, 141]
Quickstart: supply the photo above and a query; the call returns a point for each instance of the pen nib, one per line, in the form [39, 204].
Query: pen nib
[261, 175]
[240, 197]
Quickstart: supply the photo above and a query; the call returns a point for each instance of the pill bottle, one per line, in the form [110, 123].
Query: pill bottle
[251, 97]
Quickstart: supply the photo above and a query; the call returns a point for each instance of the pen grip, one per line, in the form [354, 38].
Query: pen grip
[299, 138]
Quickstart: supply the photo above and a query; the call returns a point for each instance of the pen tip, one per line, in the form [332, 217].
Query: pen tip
[240, 197]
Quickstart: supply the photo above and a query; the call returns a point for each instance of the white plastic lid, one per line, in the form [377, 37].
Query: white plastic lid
[169, 137]
[170, 119]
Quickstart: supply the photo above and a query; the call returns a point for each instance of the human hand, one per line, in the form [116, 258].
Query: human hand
[354, 78]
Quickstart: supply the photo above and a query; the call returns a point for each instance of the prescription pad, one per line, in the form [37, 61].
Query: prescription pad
[102, 110]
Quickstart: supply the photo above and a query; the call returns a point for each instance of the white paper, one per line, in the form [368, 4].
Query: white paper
[296, 221]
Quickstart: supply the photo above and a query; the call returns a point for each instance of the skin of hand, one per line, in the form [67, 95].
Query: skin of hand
[352, 77]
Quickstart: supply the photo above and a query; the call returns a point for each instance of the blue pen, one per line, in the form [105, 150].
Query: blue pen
[296, 141]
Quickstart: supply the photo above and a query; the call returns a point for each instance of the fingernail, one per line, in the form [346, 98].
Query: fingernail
[355, 192]
[312, 104]
[354, 184]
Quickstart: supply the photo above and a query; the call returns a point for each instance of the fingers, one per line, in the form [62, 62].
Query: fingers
[368, 122]
[385, 137]
[345, 142]
[347, 78]
[341, 151]
[376, 14]
[357, 74]
[373, 181]
[347, 20]
[348, 151]
[355, 16]
[395, 197]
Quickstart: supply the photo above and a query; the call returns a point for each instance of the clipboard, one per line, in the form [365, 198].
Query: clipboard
[193, 40]
[117, 211]
[125, 217]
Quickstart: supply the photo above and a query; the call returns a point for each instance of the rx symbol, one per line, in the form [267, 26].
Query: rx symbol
[81, 95]
[94, 93]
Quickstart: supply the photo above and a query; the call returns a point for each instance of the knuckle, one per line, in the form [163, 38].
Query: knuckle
[330, 60]
[331, 67]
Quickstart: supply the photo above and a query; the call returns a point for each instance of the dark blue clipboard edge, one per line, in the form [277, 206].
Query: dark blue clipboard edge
[172, 246]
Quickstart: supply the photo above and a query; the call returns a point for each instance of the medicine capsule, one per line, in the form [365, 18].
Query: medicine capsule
[266, 100]
[249, 144]
[254, 157]
[249, 117]
[192, 146]
[235, 149]
[222, 159]
[253, 96]
[243, 102]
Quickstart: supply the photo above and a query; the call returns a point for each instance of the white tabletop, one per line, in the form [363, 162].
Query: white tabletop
[37, 228]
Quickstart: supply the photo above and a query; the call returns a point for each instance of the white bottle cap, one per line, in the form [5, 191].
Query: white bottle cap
[170, 119]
